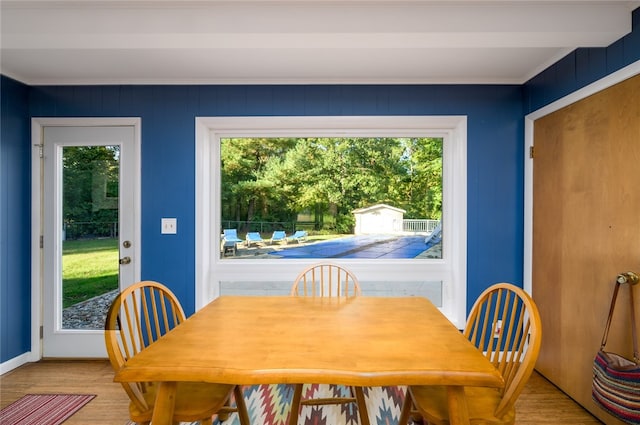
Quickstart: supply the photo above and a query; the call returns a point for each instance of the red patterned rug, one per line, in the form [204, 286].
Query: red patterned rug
[43, 409]
[271, 405]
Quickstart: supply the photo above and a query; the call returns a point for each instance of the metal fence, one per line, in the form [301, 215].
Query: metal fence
[89, 230]
[415, 225]
[409, 225]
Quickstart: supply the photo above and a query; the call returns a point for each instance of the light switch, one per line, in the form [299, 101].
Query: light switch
[169, 226]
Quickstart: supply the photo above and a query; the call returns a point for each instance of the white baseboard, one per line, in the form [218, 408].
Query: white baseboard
[18, 361]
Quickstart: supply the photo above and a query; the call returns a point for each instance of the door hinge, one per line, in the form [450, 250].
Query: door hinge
[40, 149]
[41, 332]
[532, 151]
[41, 241]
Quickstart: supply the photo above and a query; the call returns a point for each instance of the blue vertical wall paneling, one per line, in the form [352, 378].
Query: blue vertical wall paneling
[581, 68]
[15, 220]
[168, 190]
[168, 150]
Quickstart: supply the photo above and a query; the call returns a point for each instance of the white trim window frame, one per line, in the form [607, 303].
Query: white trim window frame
[450, 270]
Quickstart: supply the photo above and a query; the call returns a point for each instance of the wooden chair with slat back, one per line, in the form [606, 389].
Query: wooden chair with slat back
[140, 315]
[505, 325]
[326, 280]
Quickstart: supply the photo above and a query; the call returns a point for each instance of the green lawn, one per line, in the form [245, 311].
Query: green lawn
[90, 268]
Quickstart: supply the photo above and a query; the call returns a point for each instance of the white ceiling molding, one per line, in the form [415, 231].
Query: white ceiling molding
[298, 42]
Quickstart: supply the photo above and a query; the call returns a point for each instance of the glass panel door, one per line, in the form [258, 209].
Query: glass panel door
[88, 233]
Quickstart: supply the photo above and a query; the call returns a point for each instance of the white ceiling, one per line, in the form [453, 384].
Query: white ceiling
[298, 41]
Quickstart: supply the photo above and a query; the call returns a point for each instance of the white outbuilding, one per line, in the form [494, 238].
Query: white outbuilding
[378, 219]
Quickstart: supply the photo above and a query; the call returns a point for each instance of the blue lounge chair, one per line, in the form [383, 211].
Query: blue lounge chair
[279, 236]
[229, 241]
[253, 237]
[231, 235]
[299, 236]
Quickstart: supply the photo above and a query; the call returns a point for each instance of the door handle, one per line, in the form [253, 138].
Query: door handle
[125, 260]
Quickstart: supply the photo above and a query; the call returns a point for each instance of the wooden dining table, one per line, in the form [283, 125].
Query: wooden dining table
[359, 341]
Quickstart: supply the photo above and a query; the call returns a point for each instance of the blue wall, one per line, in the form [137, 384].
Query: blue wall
[581, 68]
[495, 160]
[15, 220]
[495, 150]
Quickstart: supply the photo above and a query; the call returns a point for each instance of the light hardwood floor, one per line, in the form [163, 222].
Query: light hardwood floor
[540, 404]
[110, 407]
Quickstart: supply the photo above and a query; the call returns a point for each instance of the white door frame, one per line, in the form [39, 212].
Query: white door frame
[37, 270]
[529, 121]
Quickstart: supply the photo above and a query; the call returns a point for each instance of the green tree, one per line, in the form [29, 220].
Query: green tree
[424, 171]
[90, 187]
[246, 193]
[330, 177]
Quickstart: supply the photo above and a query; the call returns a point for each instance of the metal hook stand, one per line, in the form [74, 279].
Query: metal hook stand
[628, 277]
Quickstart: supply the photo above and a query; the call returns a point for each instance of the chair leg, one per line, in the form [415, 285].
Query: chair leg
[407, 406]
[243, 415]
[295, 404]
[224, 413]
[362, 405]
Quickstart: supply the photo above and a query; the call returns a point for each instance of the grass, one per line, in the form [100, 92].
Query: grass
[319, 238]
[89, 269]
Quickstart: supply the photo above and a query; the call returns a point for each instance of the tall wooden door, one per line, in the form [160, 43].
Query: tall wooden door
[586, 230]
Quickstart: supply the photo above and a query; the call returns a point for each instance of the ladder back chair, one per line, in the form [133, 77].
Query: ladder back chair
[139, 316]
[505, 325]
[326, 280]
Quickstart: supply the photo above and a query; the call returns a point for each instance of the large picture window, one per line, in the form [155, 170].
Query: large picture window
[330, 197]
[383, 196]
